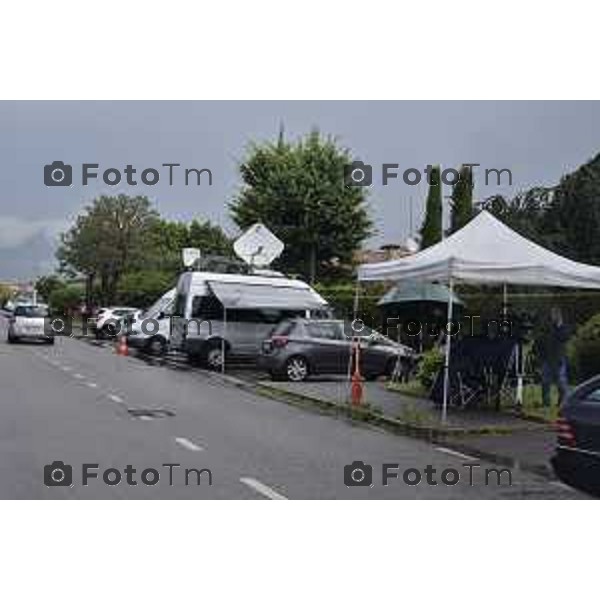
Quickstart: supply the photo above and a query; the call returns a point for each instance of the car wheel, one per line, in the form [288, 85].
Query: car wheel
[12, 339]
[214, 356]
[296, 368]
[157, 346]
[50, 341]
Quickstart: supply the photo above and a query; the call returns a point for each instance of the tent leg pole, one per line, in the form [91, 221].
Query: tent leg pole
[223, 340]
[447, 357]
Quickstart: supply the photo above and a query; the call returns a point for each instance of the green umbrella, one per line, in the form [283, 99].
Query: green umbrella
[416, 291]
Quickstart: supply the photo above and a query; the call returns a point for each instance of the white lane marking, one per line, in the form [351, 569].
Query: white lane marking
[78, 376]
[115, 398]
[66, 369]
[455, 453]
[91, 384]
[188, 445]
[263, 489]
[145, 418]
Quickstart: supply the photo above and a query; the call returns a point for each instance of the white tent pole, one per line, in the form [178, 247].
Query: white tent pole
[447, 358]
[223, 339]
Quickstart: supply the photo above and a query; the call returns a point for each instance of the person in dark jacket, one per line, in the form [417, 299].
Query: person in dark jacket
[550, 347]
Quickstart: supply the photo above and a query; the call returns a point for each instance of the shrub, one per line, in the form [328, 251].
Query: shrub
[584, 350]
[66, 298]
[431, 363]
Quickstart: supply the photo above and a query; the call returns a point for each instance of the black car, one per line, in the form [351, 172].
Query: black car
[577, 457]
[300, 347]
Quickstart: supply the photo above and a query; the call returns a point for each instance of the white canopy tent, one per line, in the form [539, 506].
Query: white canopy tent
[484, 251]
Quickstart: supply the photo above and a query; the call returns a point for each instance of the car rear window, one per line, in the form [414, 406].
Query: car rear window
[284, 328]
[31, 311]
[327, 331]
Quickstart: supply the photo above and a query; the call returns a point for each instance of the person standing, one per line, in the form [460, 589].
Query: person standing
[551, 349]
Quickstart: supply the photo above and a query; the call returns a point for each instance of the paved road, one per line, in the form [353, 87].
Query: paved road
[71, 402]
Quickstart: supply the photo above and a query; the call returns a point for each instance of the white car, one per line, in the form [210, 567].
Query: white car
[28, 322]
[110, 320]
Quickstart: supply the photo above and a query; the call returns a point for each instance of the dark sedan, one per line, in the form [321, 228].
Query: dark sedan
[298, 348]
[577, 457]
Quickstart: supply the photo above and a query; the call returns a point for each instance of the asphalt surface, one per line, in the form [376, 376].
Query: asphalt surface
[76, 402]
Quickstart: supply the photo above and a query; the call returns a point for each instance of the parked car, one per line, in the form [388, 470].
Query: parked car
[298, 348]
[576, 459]
[231, 313]
[110, 321]
[153, 337]
[27, 323]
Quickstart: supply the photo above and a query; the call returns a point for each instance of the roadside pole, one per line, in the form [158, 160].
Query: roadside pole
[447, 358]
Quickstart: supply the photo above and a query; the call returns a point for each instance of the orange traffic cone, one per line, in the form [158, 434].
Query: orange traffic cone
[356, 387]
[122, 349]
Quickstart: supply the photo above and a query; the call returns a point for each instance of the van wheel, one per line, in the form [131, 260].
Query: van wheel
[157, 345]
[296, 368]
[213, 357]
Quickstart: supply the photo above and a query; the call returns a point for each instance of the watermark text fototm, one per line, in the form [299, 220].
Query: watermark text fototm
[360, 174]
[60, 174]
[360, 474]
[59, 474]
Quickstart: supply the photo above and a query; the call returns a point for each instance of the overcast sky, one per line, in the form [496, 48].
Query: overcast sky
[538, 141]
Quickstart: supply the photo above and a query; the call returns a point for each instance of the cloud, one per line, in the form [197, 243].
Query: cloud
[16, 232]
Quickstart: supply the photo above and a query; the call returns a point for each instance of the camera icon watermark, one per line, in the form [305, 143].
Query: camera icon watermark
[358, 474]
[358, 174]
[58, 173]
[58, 325]
[58, 474]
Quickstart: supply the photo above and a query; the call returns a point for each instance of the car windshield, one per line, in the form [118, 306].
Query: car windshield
[31, 311]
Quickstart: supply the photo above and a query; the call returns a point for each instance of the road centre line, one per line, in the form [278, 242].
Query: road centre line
[188, 445]
[261, 488]
[455, 453]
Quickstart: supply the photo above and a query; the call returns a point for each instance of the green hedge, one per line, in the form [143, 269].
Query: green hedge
[584, 350]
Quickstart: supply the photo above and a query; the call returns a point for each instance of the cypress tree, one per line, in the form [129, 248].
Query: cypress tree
[431, 230]
[462, 200]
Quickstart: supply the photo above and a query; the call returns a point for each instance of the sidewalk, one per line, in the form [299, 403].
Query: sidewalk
[483, 433]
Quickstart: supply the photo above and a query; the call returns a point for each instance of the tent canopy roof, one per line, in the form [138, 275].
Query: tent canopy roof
[486, 251]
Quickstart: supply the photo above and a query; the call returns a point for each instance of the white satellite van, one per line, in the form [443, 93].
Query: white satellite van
[151, 330]
[217, 315]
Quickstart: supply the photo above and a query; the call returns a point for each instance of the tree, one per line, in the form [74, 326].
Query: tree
[6, 294]
[524, 213]
[66, 298]
[142, 288]
[111, 237]
[431, 230]
[46, 284]
[462, 200]
[297, 191]
[170, 237]
[572, 220]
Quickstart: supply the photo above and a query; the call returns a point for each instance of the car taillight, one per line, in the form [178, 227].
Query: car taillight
[564, 432]
[279, 341]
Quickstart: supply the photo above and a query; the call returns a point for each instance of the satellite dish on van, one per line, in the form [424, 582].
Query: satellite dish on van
[258, 246]
[190, 256]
